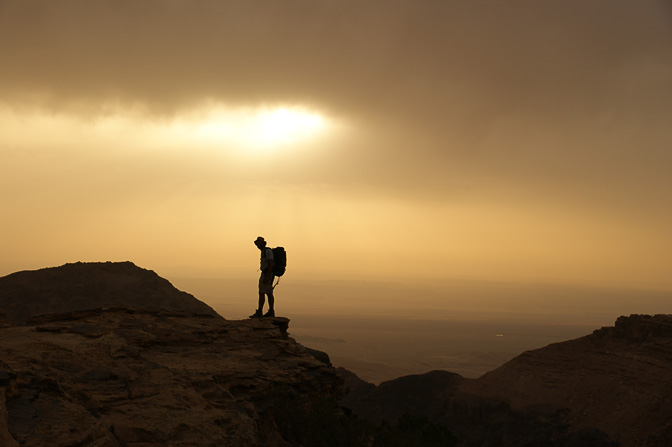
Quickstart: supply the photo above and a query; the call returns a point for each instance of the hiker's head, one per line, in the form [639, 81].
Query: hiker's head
[260, 242]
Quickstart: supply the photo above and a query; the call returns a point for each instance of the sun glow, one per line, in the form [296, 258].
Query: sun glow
[257, 129]
[285, 125]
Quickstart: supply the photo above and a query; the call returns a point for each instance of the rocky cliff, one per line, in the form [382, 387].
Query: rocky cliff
[131, 377]
[83, 286]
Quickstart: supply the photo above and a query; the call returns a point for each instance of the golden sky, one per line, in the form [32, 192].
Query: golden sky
[522, 140]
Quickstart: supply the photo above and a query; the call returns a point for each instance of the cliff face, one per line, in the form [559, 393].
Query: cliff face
[82, 286]
[130, 377]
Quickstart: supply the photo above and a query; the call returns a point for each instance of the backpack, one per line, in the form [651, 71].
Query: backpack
[279, 261]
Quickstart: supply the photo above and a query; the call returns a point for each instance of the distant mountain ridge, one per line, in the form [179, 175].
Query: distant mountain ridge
[81, 286]
[618, 379]
[610, 388]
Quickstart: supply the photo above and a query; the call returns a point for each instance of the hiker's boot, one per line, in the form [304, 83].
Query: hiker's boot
[257, 314]
[270, 313]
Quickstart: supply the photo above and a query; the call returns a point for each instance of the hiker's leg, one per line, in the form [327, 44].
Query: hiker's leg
[262, 300]
[271, 301]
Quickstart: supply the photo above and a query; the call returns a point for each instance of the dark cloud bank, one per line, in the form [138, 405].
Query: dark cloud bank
[555, 93]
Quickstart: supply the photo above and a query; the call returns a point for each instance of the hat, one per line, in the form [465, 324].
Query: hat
[259, 240]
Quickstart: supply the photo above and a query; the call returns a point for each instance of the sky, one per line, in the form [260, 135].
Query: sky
[429, 139]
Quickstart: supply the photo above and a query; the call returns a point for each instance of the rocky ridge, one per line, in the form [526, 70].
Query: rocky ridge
[81, 286]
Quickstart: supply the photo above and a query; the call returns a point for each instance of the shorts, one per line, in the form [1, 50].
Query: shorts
[266, 287]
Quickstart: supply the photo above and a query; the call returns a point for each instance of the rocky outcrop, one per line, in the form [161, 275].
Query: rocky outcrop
[131, 377]
[93, 285]
[639, 328]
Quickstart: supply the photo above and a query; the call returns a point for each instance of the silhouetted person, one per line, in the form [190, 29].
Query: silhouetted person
[265, 280]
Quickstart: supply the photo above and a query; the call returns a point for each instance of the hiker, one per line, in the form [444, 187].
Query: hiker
[265, 280]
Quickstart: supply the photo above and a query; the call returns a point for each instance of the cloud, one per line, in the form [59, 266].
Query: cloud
[394, 52]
